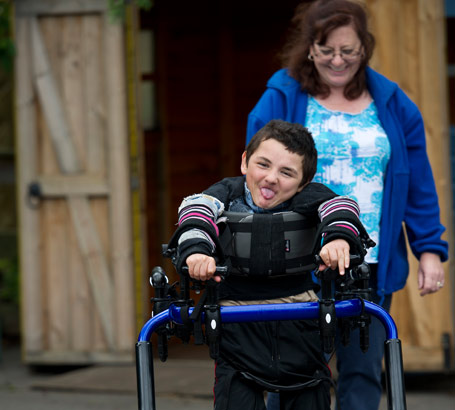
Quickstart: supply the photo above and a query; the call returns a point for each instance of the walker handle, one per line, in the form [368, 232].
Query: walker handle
[219, 271]
[354, 260]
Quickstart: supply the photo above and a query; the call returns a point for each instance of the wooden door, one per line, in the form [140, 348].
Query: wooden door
[73, 184]
[411, 50]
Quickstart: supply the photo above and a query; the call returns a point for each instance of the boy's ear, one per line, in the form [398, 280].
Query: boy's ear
[243, 165]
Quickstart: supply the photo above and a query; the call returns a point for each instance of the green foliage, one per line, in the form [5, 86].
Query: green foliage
[117, 7]
[6, 41]
[9, 281]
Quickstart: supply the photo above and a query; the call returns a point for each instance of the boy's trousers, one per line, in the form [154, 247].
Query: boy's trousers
[285, 353]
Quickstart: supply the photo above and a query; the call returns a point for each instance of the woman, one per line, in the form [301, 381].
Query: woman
[371, 146]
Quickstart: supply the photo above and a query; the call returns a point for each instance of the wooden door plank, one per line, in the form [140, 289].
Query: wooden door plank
[120, 207]
[423, 359]
[95, 115]
[82, 319]
[29, 242]
[55, 186]
[52, 105]
[408, 64]
[386, 30]
[96, 136]
[74, 94]
[72, 84]
[100, 211]
[56, 275]
[95, 263]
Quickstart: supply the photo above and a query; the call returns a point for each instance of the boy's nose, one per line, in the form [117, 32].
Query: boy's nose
[271, 177]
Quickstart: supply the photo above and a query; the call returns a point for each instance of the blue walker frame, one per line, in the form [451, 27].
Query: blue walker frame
[396, 398]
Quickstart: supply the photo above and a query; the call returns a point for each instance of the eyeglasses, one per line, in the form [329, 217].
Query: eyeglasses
[326, 54]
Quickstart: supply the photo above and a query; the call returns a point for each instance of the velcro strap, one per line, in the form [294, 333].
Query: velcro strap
[277, 246]
[184, 315]
[261, 236]
[196, 317]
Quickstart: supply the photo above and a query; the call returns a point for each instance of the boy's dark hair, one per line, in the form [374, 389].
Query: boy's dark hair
[295, 137]
[313, 22]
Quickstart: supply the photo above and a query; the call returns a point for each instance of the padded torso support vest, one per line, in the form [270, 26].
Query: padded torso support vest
[269, 244]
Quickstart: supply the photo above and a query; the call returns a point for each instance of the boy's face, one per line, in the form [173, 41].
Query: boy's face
[273, 174]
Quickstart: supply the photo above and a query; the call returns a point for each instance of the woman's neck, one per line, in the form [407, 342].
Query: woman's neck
[338, 102]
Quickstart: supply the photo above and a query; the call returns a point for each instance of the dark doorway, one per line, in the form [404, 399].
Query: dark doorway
[212, 62]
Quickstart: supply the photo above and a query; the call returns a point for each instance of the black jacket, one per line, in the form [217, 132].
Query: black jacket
[307, 202]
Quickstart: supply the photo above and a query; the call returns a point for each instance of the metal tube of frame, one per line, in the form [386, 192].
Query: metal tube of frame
[145, 376]
[299, 311]
[396, 397]
[284, 311]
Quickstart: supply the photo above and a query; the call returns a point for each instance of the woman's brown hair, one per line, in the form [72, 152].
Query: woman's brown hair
[313, 22]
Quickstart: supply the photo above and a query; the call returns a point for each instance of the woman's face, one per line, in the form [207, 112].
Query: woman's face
[338, 60]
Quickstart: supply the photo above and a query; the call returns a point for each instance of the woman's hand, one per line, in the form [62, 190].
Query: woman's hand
[430, 274]
[335, 254]
[202, 267]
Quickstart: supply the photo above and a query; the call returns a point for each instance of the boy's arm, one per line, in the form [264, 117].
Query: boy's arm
[341, 232]
[197, 232]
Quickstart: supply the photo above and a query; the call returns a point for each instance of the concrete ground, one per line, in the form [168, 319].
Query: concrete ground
[181, 383]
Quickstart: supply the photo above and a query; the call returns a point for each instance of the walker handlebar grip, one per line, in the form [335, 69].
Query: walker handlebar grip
[354, 260]
[219, 271]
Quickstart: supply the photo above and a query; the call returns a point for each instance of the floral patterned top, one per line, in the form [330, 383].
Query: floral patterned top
[353, 153]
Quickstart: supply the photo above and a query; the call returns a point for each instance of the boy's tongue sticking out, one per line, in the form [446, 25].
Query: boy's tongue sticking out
[267, 193]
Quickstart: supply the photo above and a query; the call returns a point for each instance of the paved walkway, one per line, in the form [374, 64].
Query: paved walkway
[181, 383]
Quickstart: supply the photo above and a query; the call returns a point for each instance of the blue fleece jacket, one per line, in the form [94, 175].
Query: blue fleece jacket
[409, 189]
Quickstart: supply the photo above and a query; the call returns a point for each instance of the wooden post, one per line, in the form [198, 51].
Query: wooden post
[29, 243]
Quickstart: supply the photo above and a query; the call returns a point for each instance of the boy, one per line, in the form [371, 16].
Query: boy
[278, 165]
